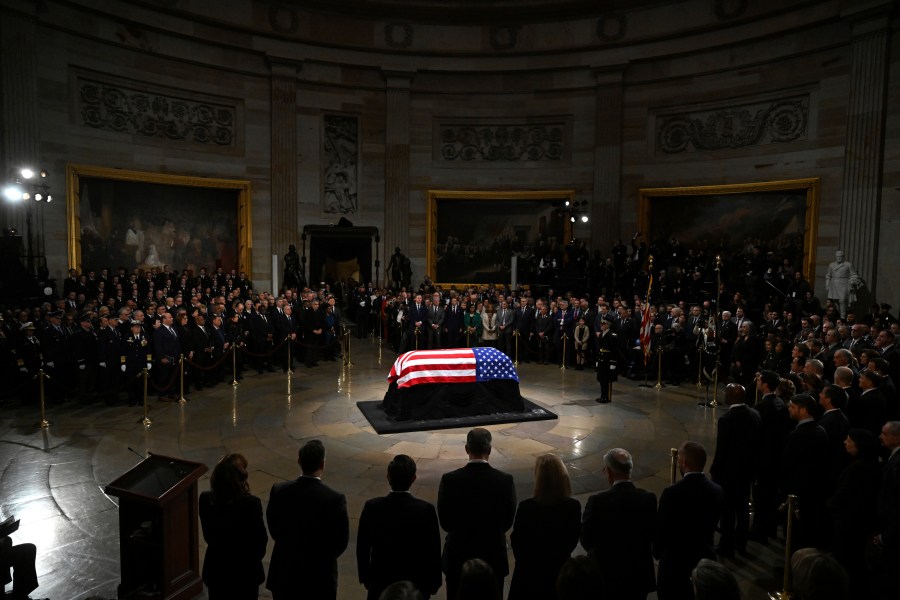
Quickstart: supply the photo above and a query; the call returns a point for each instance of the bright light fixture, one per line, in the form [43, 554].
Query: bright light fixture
[12, 193]
[26, 173]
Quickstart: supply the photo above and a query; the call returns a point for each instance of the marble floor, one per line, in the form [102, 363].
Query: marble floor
[53, 479]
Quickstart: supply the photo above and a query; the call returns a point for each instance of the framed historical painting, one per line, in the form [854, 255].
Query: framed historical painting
[340, 152]
[139, 220]
[471, 236]
[778, 216]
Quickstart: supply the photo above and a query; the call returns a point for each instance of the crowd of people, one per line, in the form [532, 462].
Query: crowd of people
[623, 529]
[811, 389]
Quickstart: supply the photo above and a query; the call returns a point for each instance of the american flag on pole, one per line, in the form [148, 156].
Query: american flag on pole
[463, 365]
[646, 325]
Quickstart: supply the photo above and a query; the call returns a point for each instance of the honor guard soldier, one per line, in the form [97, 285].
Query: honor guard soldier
[136, 354]
[85, 348]
[29, 360]
[607, 360]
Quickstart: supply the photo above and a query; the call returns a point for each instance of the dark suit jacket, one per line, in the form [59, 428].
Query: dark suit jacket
[889, 505]
[805, 462]
[618, 531]
[774, 426]
[476, 506]
[309, 523]
[398, 539]
[166, 345]
[236, 542]
[871, 411]
[542, 540]
[737, 447]
[688, 513]
[418, 315]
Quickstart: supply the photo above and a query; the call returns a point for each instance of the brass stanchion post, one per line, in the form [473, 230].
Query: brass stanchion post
[516, 347]
[563, 366]
[416, 333]
[699, 367]
[234, 380]
[290, 362]
[659, 383]
[43, 423]
[146, 420]
[181, 398]
[673, 468]
[785, 593]
[347, 361]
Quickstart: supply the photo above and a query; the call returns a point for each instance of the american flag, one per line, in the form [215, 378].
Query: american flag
[463, 365]
[646, 325]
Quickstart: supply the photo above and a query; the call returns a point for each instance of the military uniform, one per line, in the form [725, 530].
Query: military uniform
[607, 363]
[136, 354]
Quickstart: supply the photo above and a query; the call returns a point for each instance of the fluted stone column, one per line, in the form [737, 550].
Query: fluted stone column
[396, 161]
[864, 151]
[19, 116]
[606, 206]
[284, 155]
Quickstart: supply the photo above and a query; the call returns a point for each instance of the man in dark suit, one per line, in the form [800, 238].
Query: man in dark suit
[804, 465]
[686, 522]
[618, 530]
[833, 399]
[476, 505]
[734, 467]
[418, 325]
[871, 411]
[308, 522]
[398, 537]
[452, 324]
[888, 537]
[774, 425]
[166, 349]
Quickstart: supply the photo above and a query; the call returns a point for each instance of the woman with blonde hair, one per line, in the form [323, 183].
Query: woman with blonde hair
[235, 535]
[489, 326]
[545, 531]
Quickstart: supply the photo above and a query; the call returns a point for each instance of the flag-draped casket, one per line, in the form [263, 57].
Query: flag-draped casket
[435, 384]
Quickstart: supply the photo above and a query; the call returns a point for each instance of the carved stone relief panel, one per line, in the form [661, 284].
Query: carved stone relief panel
[502, 141]
[340, 153]
[138, 110]
[752, 124]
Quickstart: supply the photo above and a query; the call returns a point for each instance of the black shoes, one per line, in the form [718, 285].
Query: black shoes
[603, 400]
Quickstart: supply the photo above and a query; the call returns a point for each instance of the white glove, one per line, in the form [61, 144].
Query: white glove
[149, 366]
[50, 364]
[103, 364]
[123, 368]
[81, 367]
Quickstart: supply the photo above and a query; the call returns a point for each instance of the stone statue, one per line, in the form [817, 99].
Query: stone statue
[293, 277]
[840, 280]
[399, 270]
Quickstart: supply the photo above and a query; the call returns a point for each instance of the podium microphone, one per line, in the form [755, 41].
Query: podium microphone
[136, 453]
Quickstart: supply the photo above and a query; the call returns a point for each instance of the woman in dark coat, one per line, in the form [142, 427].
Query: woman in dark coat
[236, 538]
[850, 507]
[545, 532]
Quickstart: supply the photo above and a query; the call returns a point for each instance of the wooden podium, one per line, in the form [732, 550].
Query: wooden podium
[159, 529]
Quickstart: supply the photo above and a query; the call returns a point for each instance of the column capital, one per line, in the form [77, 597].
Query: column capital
[870, 17]
[609, 74]
[398, 80]
[284, 68]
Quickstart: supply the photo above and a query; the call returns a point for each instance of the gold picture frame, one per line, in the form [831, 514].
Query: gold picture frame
[753, 198]
[75, 173]
[467, 200]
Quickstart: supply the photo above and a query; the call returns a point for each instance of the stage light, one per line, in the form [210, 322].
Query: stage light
[12, 193]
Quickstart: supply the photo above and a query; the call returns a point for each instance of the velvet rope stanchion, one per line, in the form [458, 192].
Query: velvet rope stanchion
[290, 360]
[181, 398]
[659, 354]
[564, 339]
[347, 361]
[146, 422]
[699, 367]
[516, 347]
[785, 593]
[43, 423]
[673, 467]
[234, 381]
